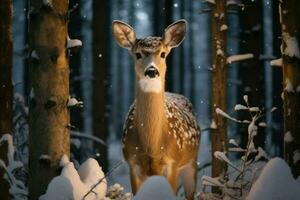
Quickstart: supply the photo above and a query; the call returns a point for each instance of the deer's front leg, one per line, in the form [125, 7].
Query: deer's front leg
[137, 176]
[172, 176]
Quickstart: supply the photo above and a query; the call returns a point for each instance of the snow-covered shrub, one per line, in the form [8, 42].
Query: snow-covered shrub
[18, 189]
[237, 181]
[87, 183]
[116, 192]
[21, 128]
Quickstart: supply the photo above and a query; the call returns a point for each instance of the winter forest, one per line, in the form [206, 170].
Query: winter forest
[149, 99]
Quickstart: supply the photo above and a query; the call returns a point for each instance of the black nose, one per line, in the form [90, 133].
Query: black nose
[151, 72]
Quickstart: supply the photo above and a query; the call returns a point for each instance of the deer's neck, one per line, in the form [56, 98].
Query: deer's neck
[150, 116]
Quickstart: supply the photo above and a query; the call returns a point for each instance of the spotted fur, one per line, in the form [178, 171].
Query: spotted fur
[182, 123]
[149, 44]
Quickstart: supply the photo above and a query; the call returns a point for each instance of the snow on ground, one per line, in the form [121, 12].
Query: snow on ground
[155, 187]
[73, 184]
[275, 182]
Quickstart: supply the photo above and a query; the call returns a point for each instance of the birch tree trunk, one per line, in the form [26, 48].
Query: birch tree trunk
[49, 75]
[290, 22]
[218, 84]
[6, 89]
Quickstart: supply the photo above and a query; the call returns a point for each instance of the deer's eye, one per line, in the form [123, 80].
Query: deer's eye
[138, 55]
[163, 54]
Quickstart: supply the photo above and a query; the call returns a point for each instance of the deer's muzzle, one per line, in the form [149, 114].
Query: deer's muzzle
[151, 72]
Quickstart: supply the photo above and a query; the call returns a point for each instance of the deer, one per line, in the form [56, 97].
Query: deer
[161, 135]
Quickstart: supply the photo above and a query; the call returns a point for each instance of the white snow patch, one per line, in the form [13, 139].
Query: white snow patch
[240, 107]
[262, 124]
[275, 182]
[292, 46]
[74, 102]
[213, 124]
[73, 43]
[254, 109]
[221, 112]
[276, 62]
[75, 185]
[233, 142]
[90, 173]
[288, 86]
[222, 156]
[261, 154]
[273, 109]
[236, 58]
[64, 161]
[150, 84]
[224, 27]
[220, 52]
[155, 187]
[210, 1]
[288, 137]
[45, 157]
[245, 97]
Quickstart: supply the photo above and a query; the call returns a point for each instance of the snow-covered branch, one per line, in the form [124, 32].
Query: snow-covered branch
[210, 1]
[276, 62]
[86, 136]
[72, 43]
[236, 58]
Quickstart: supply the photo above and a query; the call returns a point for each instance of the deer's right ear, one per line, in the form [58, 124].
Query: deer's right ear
[124, 34]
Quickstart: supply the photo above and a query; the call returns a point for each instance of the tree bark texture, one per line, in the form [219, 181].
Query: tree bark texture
[6, 88]
[218, 84]
[49, 74]
[290, 27]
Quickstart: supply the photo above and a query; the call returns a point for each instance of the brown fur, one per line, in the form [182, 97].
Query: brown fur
[160, 135]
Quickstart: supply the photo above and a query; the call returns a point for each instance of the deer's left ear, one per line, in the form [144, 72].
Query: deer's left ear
[175, 33]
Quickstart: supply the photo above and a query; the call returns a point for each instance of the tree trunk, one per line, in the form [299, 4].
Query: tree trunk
[290, 22]
[218, 84]
[6, 89]
[49, 74]
[101, 58]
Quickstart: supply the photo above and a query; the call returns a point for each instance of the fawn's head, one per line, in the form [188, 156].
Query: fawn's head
[150, 53]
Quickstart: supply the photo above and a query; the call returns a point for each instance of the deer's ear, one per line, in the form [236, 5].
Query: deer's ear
[124, 34]
[175, 33]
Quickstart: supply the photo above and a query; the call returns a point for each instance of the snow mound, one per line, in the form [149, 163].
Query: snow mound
[73, 184]
[275, 182]
[155, 187]
[90, 173]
